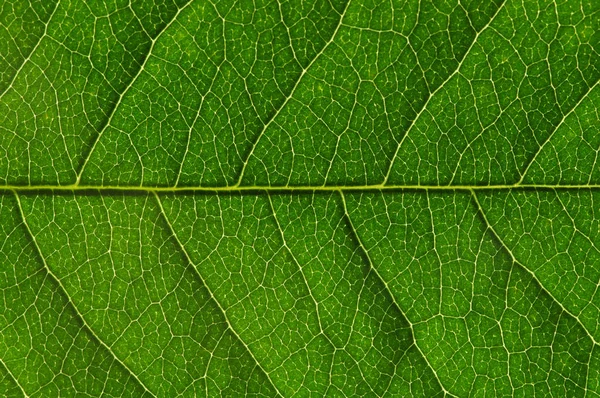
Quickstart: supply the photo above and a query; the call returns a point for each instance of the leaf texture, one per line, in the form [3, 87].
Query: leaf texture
[300, 198]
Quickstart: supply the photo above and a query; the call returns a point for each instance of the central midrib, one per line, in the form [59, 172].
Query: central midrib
[291, 189]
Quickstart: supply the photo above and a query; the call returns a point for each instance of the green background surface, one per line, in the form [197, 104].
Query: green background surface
[300, 198]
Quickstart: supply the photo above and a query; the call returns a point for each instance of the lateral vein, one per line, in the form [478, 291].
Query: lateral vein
[210, 292]
[64, 291]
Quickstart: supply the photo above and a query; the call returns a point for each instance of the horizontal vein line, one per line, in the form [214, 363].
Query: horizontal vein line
[290, 189]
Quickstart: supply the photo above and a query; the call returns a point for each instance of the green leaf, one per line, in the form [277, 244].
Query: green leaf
[294, 198]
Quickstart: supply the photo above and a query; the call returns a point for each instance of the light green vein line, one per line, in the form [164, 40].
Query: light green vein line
[442, 85]
[553, 132]
[289, 97]
[514, 259]
[322, 330]
[13, 377]
[64, 291]
[189, 259]
[28, 58]
[316, 304]
[297, 264]
[291, 189]
[124, 92]
[387, 288]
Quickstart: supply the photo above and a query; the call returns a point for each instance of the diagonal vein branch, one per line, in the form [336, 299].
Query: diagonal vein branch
[434, 92]
[553, 132]
[28, 58]
[289, 97]
[12, 377]
[122, 94]
[514, 259]
[387, 288]
[71, 303]
[210, 292]
[322, 330]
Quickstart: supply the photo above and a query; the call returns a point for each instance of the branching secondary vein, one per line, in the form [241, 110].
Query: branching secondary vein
[364, 249]
[64, 291]
[189, 259]
[514, 259]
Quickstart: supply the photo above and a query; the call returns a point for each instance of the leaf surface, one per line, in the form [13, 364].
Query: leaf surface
[294, 198]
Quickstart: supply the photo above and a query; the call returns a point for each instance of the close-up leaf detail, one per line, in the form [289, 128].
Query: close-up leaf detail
[293, 198]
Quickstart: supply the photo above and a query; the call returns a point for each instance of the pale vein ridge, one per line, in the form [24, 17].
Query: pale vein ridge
[212, 296]
[387, 288]
[124, 92]
[3, 364]
[289, 97]
[28, 58]
[434, 92]
[322, 331]
[64, 291]
[514, 259]
[553, 132]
